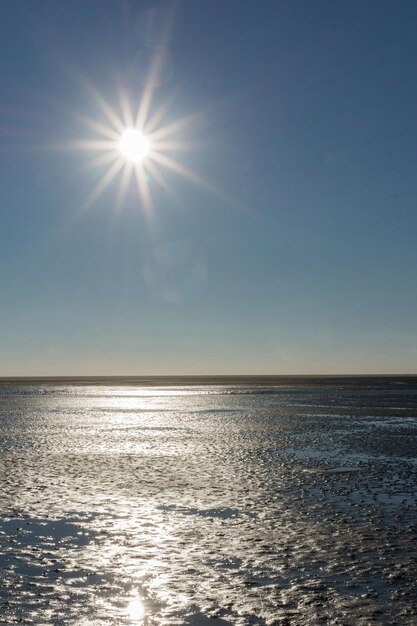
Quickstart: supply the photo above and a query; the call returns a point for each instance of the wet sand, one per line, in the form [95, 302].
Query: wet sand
[284, 502]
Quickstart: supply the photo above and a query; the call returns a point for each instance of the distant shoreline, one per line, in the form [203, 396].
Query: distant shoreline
[366, 380]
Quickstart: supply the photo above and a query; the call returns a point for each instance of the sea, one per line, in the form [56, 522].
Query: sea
[208, 501]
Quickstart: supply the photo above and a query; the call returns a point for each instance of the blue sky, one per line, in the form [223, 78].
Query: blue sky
[292, 250]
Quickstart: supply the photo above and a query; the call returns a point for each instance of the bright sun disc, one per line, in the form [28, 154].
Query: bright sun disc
[133, 145]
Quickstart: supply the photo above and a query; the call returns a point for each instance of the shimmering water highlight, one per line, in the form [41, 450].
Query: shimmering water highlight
[253, 503]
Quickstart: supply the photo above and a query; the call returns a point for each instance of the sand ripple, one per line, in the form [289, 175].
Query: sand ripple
[208, 505]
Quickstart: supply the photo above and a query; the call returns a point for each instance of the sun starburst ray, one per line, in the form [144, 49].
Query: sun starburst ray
[124, 184]
[99, 161]
[178, 146]
[126, 109]
[87, 144]
[101, 129]
[162, 183]
[108, 111]
[195, 178]
[156, 64]
[174, 127]
[178, 168]
[143, 191]
[144, 105]
[102, 184]
[154, 121]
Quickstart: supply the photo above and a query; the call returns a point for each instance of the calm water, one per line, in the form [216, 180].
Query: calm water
[265, 502]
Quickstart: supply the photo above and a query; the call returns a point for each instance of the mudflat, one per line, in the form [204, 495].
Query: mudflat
[208, 500]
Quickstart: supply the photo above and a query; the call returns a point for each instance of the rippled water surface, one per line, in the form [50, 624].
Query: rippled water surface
[266, 502]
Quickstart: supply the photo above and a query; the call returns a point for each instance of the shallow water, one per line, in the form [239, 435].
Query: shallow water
[252, 503]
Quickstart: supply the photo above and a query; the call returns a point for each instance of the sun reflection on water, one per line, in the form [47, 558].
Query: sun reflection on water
[136, 610]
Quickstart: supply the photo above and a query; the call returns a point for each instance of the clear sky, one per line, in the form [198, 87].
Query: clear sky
[276, 227]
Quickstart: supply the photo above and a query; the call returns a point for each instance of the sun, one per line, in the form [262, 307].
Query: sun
[134, 145]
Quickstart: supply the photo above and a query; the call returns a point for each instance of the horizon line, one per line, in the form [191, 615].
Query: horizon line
[144, 377]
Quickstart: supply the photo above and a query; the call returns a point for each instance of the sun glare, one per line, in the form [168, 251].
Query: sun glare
[133, 145]
[136, 610]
